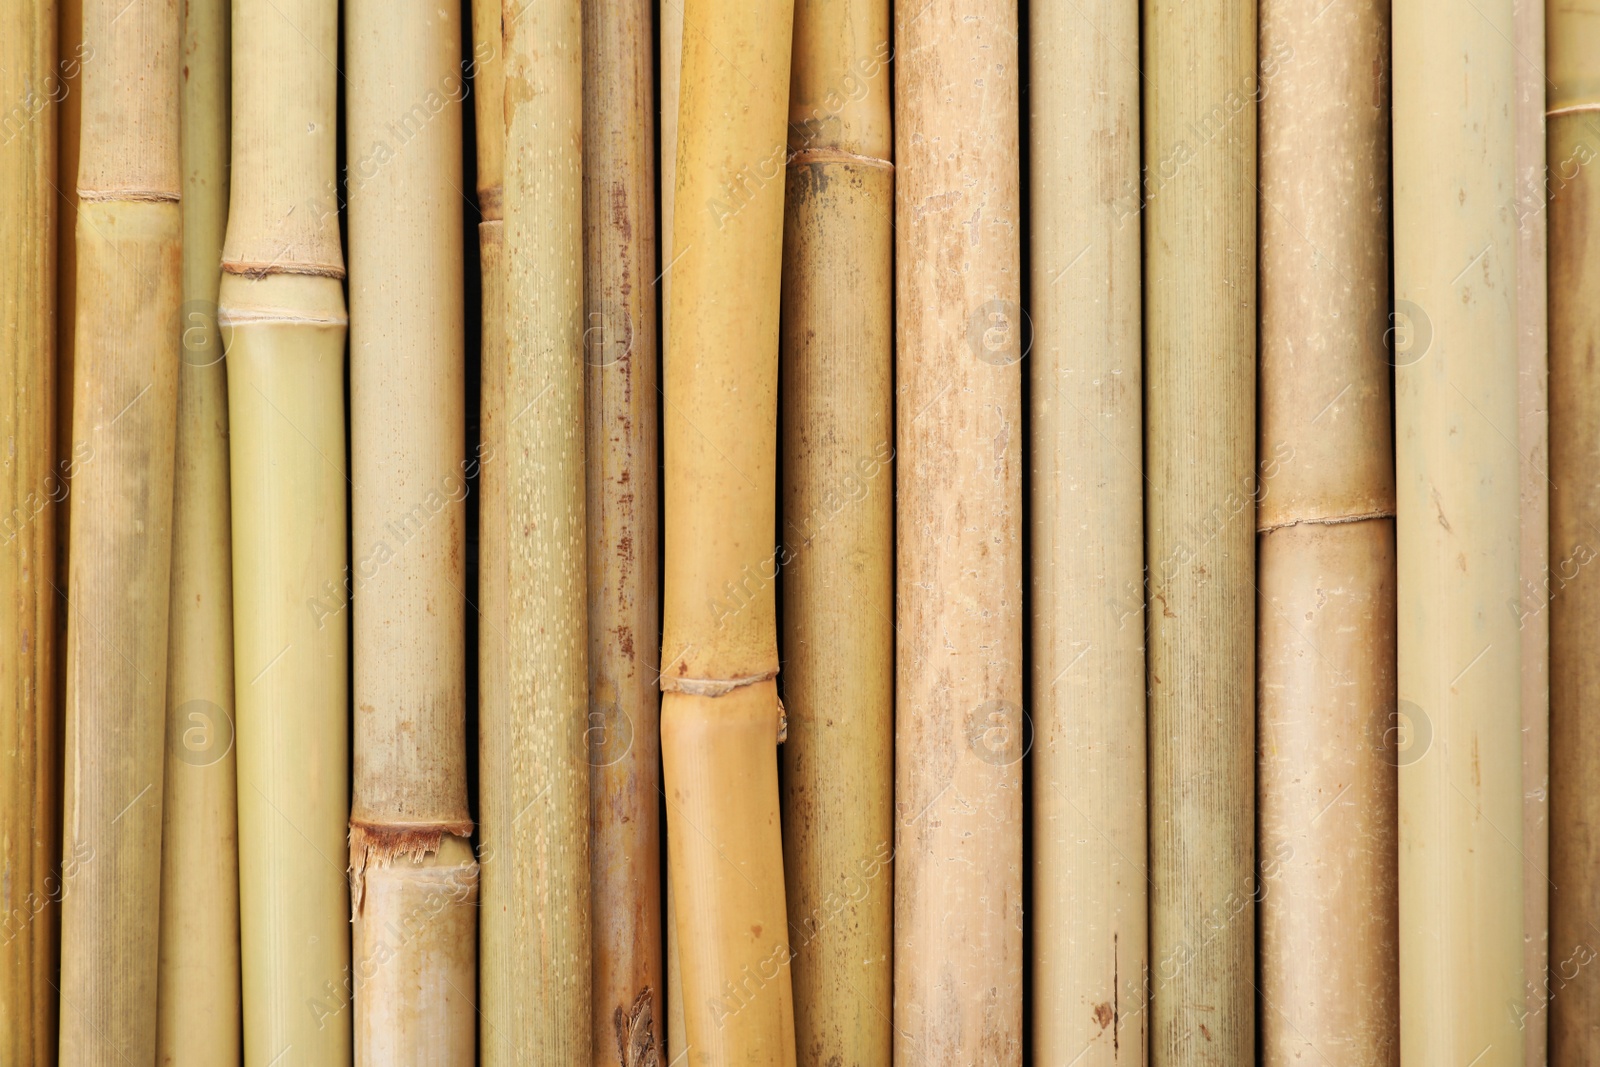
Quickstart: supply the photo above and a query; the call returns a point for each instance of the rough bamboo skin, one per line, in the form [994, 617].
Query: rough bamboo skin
[720, 716]
[1573, 99]
[1325, 652]
[1199, 205]
[1458, 542]
[1090, 885]
[198, 980]
[623, 728]
[959, 724]
[130, 236]
[30, 484]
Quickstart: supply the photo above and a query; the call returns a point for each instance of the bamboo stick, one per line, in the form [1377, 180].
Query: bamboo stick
[959, 728]
[129, 254]
[414, 881]
[720, 715]
[1090, 948]
[197, 985]
[623, 551]
[1326, 644]
[837, 544]
[1199, 150]
[1457, 472]
[30, 82]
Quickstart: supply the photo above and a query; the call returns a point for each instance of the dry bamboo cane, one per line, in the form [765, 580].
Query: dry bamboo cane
[30, 84]
[959, 722]
[73, 49]
[1199, 244]
[413, 878]
[1090, 912]
[624, 544]
[1572, 590]
[1326, 644]
[1457, 486]
[283, 322]
[837, 546]
[720, 715]
[198, 980]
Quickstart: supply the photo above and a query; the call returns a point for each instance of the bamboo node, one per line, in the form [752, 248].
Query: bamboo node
[712, 687]
[116, 196]
[1326, 520]
[834, 155]
[374, 845]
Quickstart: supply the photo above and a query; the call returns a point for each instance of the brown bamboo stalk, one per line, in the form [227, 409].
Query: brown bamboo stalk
[1090, 947]
[1458, 541]
[1200, 437]
[1326, 640]
[959, 723]
[414, 881]
[837, 544]
[624, 544]
[129, 254]
[30, 84]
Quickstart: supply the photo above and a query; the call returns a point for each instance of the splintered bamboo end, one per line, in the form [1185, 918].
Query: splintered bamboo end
[373, 846]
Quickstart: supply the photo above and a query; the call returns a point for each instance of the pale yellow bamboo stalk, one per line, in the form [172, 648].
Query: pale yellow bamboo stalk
[1457, 481]
[623, 537]
[30, 84]
[837, 532]
[960, 730]
[197, 986]
[1199, 236]
[414, 881]
[129, 255]
[1090, 947]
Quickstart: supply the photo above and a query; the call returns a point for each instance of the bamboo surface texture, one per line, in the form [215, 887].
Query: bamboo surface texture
[30, 485]
[414, 881]
[1572, 96]
[720, 715]
[72, 48]
[623, 731]
[959, 723]
[1090, 946]
[198, 980]
[1199, 237]
[129, 255]
[1326, 623]
[1458, 541]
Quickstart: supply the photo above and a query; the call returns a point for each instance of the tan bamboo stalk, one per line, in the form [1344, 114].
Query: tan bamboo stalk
[959, 723]
[1090, 917]
[623, 537]
[283, 322]
[1202, 483]
[1457, 472]
[1572, 96]
[837, 531]
[1326, 639]
[130, 242]
[720, 715]
[70, 121]
[413, 878]
[30, 84]
[197, 986]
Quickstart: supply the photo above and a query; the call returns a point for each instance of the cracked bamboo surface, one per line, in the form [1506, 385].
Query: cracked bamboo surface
[1326, 613]
[1457, 486]
[129, 254]
[1090, 947]
[30, 485]
[959, 723]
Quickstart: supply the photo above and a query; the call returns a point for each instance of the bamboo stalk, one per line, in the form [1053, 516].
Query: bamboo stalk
[129, 255]
[837, 545]
[720, 715]
[623, 551]
[413, 878]
[1326, 643]
[959, 724]
[1199, 235]
[1457, 472]
[197, 986]
[1090, 948]
[30, 890]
